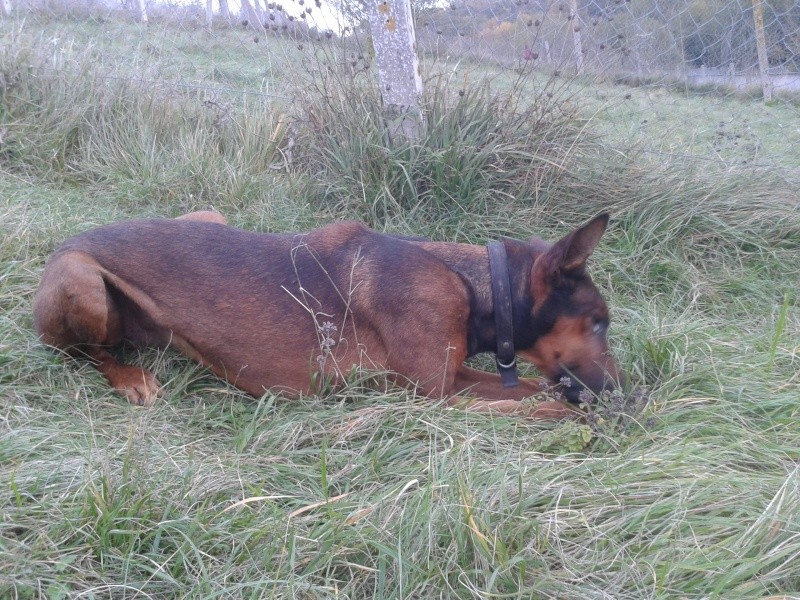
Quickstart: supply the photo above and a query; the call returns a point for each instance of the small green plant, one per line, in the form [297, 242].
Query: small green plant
[779, 327]
[568, 438]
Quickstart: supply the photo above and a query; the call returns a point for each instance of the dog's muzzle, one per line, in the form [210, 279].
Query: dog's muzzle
[578, 391]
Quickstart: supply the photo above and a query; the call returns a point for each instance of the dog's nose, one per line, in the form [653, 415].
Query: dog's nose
[586, 390]
[573, 393]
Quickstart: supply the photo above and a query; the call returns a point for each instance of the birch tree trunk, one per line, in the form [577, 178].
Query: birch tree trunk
[575, 23]
[209, 14]
[394, 40]
[141, 11]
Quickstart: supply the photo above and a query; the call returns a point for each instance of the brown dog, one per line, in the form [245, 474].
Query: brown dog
[286, 312]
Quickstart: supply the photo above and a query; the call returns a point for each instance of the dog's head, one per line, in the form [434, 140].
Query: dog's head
[570, 315]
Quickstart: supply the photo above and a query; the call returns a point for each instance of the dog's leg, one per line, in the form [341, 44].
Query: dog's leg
[493, 397]
[549, 410]
[73, 311]
[138, 385]
[489, 386]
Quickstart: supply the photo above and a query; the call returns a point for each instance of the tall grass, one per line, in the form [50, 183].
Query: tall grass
[73, 117]
[483, 149]
[368, 493]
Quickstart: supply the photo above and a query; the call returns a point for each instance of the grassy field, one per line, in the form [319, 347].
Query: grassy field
[371, 492]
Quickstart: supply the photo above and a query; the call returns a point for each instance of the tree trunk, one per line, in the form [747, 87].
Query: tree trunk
[394, 39]
[225, 10]
[141, 11]
[575, 24]
[259, 11]
[251, 15]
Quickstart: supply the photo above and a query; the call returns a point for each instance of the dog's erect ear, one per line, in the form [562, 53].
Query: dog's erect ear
[570, 253]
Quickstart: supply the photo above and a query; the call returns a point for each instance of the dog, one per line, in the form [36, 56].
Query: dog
[289, 312]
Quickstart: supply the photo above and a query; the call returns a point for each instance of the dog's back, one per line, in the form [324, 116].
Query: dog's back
[262, 310]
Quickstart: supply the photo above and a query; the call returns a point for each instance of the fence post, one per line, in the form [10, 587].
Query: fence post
[209, 14]
[575, 23]
[394, 40]
[761, 44]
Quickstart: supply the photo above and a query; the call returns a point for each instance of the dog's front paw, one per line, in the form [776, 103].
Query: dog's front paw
[553, 410]
[139, 386]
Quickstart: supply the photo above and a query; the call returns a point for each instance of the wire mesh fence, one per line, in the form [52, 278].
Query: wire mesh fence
[684, 41]
[677, 77]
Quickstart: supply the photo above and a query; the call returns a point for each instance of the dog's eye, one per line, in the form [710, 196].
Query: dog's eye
[598, 327]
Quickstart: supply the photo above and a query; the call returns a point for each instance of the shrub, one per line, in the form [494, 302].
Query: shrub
[483, 148]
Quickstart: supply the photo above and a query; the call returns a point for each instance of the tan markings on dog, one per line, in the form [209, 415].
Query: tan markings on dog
[570, 342]
[472, 262]
[549, 409]
[540, 282]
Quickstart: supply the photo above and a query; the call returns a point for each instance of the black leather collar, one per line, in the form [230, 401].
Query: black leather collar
[505, 357]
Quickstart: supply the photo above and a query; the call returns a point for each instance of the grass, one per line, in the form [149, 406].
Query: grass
[375, 493]
[722, 130]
